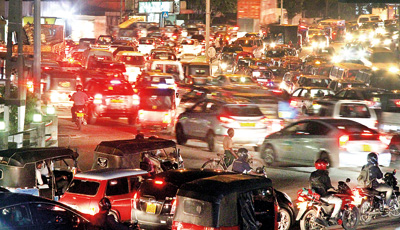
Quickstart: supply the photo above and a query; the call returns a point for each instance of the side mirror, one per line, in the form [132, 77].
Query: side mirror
[348, 180]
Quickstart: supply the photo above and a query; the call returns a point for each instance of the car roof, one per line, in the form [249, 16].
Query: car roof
[20, 157]
[129, 53]
[351, 65]
[315, 76]
[216, 187]
[109, 173]
[130, 146]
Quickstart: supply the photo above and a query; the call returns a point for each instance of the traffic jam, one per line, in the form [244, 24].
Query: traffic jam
[323, 95]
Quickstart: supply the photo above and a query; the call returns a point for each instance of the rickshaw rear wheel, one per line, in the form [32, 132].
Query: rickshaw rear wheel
[210, 138]
[180, 135]
[286, 220]
[213, 164]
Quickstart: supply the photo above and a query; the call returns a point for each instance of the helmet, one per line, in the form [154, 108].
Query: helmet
[105, 204]
[79, 88]
[321, 164]
[242, 154]
[372, 158]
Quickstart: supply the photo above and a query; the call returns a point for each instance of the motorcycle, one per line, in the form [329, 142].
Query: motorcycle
[314, 213]
[80, 117]
[371, 202]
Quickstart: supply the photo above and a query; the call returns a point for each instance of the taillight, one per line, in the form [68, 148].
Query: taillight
[136, 99]
[173, 207]
[265, 120]
[226, 119]
[167, 118]
[343, 140]
[98, 99]
[397, 103]
[293, 103]
[158, 182]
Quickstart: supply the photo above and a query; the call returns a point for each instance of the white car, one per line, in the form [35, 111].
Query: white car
[342, 142]
[168, 66]
[191, 46]
[134, 63]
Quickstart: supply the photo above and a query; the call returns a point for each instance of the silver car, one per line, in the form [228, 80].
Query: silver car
[341, 142]
[210, 119]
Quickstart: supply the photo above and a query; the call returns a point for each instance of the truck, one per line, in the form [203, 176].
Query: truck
[286, 34]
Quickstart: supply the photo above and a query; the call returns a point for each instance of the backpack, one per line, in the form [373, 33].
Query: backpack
[363, 179]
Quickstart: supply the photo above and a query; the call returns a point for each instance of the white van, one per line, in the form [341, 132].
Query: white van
[134, 63]
[90, 54]
[168, 66]
[368, 18]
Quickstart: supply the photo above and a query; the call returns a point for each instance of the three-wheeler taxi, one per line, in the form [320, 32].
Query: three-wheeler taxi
[18, 170]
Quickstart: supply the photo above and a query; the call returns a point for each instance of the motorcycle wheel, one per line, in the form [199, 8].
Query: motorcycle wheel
[213, 164]
[365, 217]
[394, 207]
[350, 218]
[79, 123]
[307, 222]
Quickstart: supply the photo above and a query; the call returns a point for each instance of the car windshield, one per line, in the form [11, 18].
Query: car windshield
[242, 110]
[63, 84]
[150, 188]
[133, 60]
[84, 187]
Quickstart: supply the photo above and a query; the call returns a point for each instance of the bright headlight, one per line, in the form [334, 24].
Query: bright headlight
[349, 37]
[387, 42]
[393, 69]
[396, 36]
[362, 38]
[314, 44]
[375, 41]
[371, 35]
[272, 45]
[336, 59]
[224, 65]
[374, 68]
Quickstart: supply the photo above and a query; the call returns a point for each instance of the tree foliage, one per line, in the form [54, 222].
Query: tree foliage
[292, 7]
[217, 7]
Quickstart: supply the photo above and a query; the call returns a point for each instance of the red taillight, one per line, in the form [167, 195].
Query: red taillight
[98, 99]
[226, 119]
[343, 140]
[159, 182]
[46, 68]
[397, 103]
[293, 103]
[173, 207]
[136, 100]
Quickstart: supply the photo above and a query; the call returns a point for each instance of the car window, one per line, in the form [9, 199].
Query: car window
[117, 186]
[351, 94]
[212, 107]
[354, 111]
[15, 216]
[296, 129]
[314, 128]
[340, 73]
[135, 182]
[199, 108]
[84, 187]
[116, 87]
[242, 110]
[334, 71]
[341, 94]
[305, 93]
[296, 93]
[52, 215]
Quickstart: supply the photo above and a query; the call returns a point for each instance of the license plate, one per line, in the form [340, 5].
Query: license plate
[117, 101]
[366, 148]
[248, 124]
[151, 208]
[80, 114]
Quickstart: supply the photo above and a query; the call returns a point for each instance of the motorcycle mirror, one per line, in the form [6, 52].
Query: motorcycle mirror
[348, 180]
[394, 171]
[259, 170]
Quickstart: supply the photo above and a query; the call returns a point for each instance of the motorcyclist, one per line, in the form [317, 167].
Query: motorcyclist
[241, 165]
[105, 221]
[376, 175]
[79, 98]
[321, 183]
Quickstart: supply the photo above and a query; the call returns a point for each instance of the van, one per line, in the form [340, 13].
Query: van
[369, 18]
[345, 71]
[93, 54]
[167, 66]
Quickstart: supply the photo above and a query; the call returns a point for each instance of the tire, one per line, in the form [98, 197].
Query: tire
[268, 155]
[394, 207]
[350, 218]
[286, 219]
[365, 217]
[92, 118]
[307, 222]
[79, 123]
[180, 135]
[213, 164]
[210, 139]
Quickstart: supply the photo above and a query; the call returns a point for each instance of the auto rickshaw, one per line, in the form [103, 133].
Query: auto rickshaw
[151, 154]
[157, 109]
[18, 170]
[237, 201]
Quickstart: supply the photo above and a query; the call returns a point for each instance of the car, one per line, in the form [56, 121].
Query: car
[289, 80]
[168, 66]
[312, 81]
[370, 95]
[146, 44]
[134, 63]
[303, 97]
[209, 120]
[337, 85]
[111, 98]
[342, 142]
[191, 46]
[153, 207]
[57, 86]
[118, 185]
[23, 211]
[354, 110]
[156, 80]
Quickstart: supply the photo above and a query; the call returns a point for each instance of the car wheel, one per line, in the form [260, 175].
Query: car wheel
[210, 138]
[268, 154]
[286, 220]
[180, 135]
[92, 118]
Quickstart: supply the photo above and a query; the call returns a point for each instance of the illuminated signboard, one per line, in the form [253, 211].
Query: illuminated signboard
[155, 7]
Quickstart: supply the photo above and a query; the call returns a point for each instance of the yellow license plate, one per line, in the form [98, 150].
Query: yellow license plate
[248, 124]
[366, 148]
[151, 208]
[117, 101]
[80, 114]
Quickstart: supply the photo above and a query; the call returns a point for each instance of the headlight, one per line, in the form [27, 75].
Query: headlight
[349, 37]
[371, 35]
[314, 44]
[393, 69]
[396, 36]
[272, 45]
[374, 68]
[336, 59]
[387, 42]
[362, 38]
[375, 41]
[321, 45]
[224, 65]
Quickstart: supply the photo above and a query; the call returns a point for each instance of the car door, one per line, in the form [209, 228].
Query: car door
[311, 142]
[209, 119]
[119, 192]
[284, 142]
[190, 119]
[17, 217]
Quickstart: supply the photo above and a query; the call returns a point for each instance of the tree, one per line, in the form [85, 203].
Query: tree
[217, 7]
[292, 7]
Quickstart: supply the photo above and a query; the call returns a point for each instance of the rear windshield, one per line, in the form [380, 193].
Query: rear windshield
[391, 103]
[63, 84]
[84, 187]
[159, 192]
[354, 111]
[146, 41]
[314, 82]
[199, 70]
[118, 89]
[132, 60]
[156, 102]
[242, 110]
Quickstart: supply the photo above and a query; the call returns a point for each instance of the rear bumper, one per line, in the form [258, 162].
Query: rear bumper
[104, 111]
[347, 159]
[151, 221]
[247, 137]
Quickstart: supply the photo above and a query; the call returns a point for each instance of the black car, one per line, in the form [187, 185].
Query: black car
[367, 94]
[111, 98]
[22, 211]
[156, 197]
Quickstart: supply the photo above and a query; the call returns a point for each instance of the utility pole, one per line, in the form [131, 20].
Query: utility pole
[207, 27]
[37, 48]
[281, 22]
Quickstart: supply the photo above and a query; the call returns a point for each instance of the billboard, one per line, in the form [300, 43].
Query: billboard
[268, 11]
[264, 10]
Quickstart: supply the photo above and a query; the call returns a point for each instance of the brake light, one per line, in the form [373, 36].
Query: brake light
[173, 207]
[167, 118]
[293, 103]
[115, 82]
[226, 119]
[46, 68]
[159, 182]
[397, 103]
[136, 100]
[343, 140]
[98, 99]
[265, 120]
